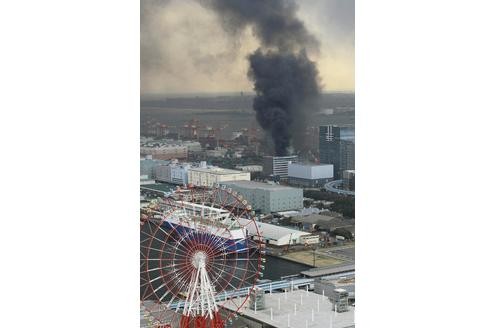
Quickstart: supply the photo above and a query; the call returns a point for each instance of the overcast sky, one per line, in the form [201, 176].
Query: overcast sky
[185, 50]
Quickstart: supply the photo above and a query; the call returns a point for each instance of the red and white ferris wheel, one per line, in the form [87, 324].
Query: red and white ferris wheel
[201, 255]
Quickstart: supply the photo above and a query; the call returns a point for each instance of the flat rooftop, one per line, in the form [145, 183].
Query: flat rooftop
[310, 164]
[258, 185]
[340, 281]
[216, 170]
[305, 314]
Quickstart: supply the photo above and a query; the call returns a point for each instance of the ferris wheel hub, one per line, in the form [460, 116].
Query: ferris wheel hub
[198, 258]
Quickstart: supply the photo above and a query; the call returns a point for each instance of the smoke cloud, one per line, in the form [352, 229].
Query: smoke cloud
[285, 80]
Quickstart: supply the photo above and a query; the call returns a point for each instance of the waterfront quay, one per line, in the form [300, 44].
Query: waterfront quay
[332, 256]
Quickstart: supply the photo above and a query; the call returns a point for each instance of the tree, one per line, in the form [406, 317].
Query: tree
[342, 232]
[346, 206]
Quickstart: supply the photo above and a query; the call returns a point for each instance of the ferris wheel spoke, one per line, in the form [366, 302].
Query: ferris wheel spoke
[217, 242]
[219, 272]
[227, 282]
[223, 250]
[169, 234]
[180, 277]
[230, 274]
[153, 237]
[235, 277]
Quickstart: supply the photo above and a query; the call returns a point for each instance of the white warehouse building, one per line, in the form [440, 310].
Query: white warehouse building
[277, 235]
[208, 176]
[310, 175]
[266, 198]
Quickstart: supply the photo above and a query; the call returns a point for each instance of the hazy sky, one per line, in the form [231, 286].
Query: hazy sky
[184, 49]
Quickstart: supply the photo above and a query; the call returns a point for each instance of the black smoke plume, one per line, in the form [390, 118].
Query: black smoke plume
[285, 79]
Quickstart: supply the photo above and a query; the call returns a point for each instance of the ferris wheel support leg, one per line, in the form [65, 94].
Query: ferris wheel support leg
[184, 322]
[217, 321]
[200, 322]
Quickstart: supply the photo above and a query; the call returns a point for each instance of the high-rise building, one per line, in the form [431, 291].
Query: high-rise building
[278, 166]
[349, 177]
[346, 156]
[336, 150]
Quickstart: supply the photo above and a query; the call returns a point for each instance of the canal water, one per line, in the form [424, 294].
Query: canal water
[275, 268]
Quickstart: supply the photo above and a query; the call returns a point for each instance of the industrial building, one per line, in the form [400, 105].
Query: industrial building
[209, 176]
[278, 166]
[148, 165]
[167, 149]
[276, 235]
[309, 175]
[330, 285]
[164, 151]
[336, 148]
[267, 198]
[328, 222]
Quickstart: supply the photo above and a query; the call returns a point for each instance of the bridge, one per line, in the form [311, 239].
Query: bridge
[267, 287]
[332, 186]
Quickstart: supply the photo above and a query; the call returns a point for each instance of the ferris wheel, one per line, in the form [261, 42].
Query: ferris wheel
[201, 255]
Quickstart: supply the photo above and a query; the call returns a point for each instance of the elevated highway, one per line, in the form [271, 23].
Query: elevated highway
[333, 186]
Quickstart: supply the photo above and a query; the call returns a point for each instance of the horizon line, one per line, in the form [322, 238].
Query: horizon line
[226, 93]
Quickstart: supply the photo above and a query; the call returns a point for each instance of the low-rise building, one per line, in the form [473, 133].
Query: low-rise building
[165, 151]
[217, 152]
[266, 198]
[208, 176]
[173, 173]
[328, 286]
[274, 234]
[145, 180]
[250, 168]
[325, 222]
[192, 146]
[309, 175]
[147, 166]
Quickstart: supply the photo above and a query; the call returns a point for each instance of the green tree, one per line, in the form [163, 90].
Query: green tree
[342, 232]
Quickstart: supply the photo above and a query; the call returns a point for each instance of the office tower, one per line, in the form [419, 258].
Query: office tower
[278, 166]
[335, 150]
